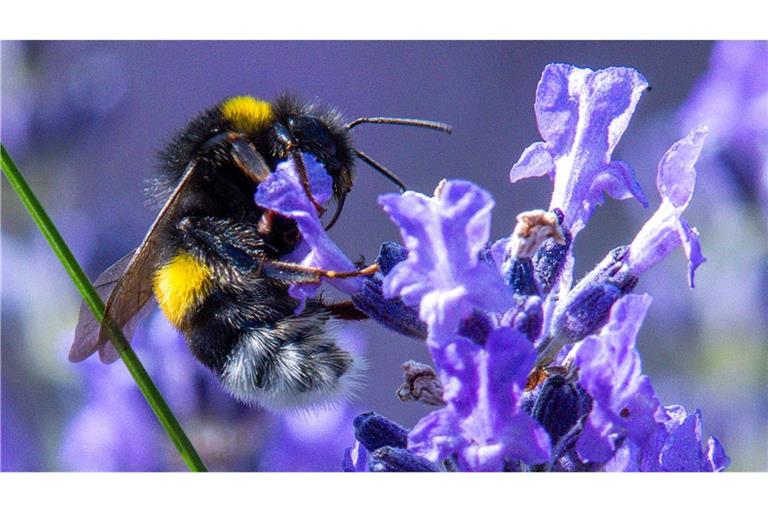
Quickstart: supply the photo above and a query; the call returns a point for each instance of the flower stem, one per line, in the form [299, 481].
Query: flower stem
[152, 395]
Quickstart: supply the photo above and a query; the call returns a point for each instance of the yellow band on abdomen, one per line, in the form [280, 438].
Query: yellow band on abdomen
[181, 284]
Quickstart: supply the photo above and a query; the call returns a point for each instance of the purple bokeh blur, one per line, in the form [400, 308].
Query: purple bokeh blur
[84, 121]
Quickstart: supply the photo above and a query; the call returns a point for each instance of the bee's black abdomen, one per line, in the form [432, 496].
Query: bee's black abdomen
[274, 359]
[214, 332]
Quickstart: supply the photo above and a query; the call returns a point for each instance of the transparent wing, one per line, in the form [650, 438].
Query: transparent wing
[87, 331]
[127, 285]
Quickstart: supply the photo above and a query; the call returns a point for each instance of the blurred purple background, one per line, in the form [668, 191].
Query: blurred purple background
[84, 120]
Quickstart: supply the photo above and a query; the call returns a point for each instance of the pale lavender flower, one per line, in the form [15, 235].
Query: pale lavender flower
[483, 379]
[627, 428]
[581, 115]
[482, 423]
[116, 431]
[666, 229]
[585, 308]
[443, 272]
[308, 440]
[678, 445]
[610, 371]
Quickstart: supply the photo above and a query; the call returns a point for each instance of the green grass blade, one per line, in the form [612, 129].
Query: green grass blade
[152, 395]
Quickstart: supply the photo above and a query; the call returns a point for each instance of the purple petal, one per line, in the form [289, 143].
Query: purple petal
[676, 444]
[355, 459]
[482, 423]
[624, 460]
[609, 370]
[620, 182]
[535, 161]
[677, 176]
[582, 114]
[283, 193]
[437, 435]
[716, 456]
[682, 449]
[443, 273]
[692, 248]
[595, 443]
[666, 229]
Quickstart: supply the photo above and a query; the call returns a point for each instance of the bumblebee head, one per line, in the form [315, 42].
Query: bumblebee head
[317, 130]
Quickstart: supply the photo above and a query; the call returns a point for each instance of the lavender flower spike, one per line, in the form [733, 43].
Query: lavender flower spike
[581, 115]
[283, 193]
[483, 375]
[666, 229]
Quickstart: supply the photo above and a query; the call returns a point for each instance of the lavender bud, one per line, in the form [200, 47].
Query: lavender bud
[559, 406]
[390, 254]
[585, 312]
[374, 431]
[549, 260]
[520, 276]
[391, 313]
[389, 459]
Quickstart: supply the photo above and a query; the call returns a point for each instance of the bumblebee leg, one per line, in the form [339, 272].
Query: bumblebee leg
[292, 148]
[297, 158]
[313, 274]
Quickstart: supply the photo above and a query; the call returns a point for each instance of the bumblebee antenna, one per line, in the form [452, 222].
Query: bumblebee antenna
[420, 123]
[394, 178]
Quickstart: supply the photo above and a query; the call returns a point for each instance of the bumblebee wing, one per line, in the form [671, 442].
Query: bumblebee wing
[87, 330]
[127, 285]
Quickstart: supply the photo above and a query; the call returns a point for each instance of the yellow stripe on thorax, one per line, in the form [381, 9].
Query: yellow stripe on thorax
[246, 113]
[181, 284]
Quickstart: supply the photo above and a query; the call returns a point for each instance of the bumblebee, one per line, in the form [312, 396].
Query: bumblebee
[212, 257]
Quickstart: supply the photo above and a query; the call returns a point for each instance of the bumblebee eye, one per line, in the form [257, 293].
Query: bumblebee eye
[311, 131]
